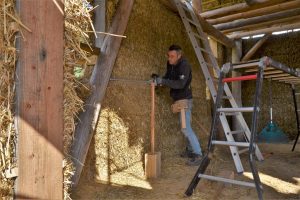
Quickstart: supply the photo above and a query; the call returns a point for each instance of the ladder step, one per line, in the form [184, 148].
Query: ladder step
[240, 78]
[243, 150]
[244, 109]
[237, 132]
[226, 180]
[228, 143]
[205, 51]
[199, 36]
[193, 22]
[232, 114]
[227, 97]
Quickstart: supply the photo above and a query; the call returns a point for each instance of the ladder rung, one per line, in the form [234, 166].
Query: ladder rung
[244, 109]
[199, 36]
[216, 80]
[192, 22]
[297, 93]
[205, 51]
[243, 150]
[185, 7]
[232, 114]
[237, 132]
[207, 64]
[228, 143]
[245, 65]
[240, 78]
[226, 180]
[226, 97]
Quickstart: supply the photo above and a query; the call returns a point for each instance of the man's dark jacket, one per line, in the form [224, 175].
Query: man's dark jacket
[179, 77]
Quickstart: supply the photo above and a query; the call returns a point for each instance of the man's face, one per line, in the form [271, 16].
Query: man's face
[173, 57]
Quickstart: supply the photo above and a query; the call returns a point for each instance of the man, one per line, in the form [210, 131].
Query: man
[178, 78]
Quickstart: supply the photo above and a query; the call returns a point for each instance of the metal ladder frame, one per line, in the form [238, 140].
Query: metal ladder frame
[297, 115]
[212, 139]
[183, 6]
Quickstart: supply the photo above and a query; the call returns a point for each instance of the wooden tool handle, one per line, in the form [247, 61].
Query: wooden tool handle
[183, 121]
[152, 136]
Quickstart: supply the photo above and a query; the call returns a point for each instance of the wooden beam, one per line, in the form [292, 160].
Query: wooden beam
[197, 4]
[275, 76]
[267, 24]
[257, 12]
[265, 30]
[252, 2]
[273, 72]
[286, 78]
[256, 69]
[254, 49]
[40, 102]
[215, 34]
[208, 28]
[88, 119]
[240, 7]
[258, 19]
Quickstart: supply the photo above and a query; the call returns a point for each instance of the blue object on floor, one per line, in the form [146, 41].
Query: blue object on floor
[272, 134]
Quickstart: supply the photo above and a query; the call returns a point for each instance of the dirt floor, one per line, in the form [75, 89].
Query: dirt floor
[279, 173]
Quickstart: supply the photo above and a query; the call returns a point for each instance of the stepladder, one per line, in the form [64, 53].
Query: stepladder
[208, 65]
[249, 145]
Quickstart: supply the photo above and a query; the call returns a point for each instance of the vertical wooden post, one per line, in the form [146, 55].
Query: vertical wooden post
[40, 102]
[237, 85]
[101, 75]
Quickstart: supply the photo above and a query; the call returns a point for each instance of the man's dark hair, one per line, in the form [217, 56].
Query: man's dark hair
[175, 47]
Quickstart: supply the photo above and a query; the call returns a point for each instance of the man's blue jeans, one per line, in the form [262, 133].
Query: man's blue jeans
[193, 143]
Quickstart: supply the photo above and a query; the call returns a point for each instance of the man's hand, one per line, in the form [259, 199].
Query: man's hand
[159, 81]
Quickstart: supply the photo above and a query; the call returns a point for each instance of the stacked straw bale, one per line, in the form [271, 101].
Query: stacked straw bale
[116, 154]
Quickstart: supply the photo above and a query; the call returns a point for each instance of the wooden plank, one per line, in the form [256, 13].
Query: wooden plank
[258, 19]
[40, 102]
[276, 76]
[254, 49]
[256, 69]
[273, 72]
[252, 27]
[252, 2]
[256, 12]
[101, 75]
[240, 7]
[291, 78]
[265, 30]
[215, 33]
[212, 31]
